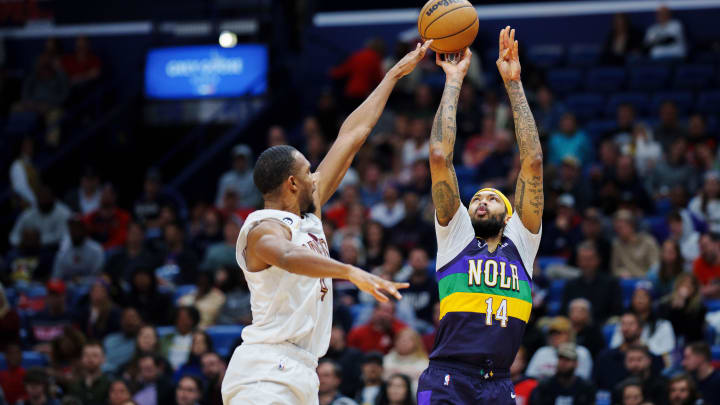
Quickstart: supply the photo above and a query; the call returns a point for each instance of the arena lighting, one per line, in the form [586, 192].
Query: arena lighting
[227, 39]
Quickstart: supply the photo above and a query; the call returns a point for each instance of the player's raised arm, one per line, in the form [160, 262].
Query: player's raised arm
[358, 125]
[529, 200]
[445, 191]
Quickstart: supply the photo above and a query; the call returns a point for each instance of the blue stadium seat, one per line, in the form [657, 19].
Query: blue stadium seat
[223, 337]
[708, 102]
[11, 296]
[696, 77]
[583, 55]
[608, 330]
[545, 261]
[585, 105]
[636, 99]
[650, 78]
[716, 352]
[546, 56]
[467, 191]
[712, 305]
[658, 226]
[465, 174]
[183, 290]
[684, 100]
[555, 296]
[596, 129]
[564, 80]
[29, 359]
[164, 330]
[605, 79]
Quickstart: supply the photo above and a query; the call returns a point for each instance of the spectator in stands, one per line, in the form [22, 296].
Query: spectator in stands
[201, 344]
[49, 217]
[407, 357]
[188, 391]
[222, 254]
[66, 355]
[315, 145]
[665, 39]
[120, 266]
[147, 342]
[593, 231]
[330, 376]
[625, 189]
[422, 295]
[669, 129]
[569, 141]
[697, 360]
[338, 211]
[176, 346]
[638, 363]
[86, 198]
[670, 267]
[380, 332]
[397, 391]
[564, 232]
[371, 190]
[11, 379]
[623, 132]
[633, 252]
[685, 237]
[416, 147]
[610, 364]
[213, 371]
[622, 41]
[119, 393]
[24, 176]
[154, 306]
[601, 289]
[684, 309]
[565, 383]
[630, 392]
[48, 324]
[9, 322]
[547, 111]
[544, 362]
[207, 298]
[499, 168]
[120, 346]
[372, 372]
[569, 180]
[698, 135]
[643, 147]
[208, 231]
[672, 172]
[91, 385]
[469, 122]
[362, 71]
[236, 309]
[180, 264]
[706, 205]
[706, 267]
[479, 146]
[101, 316]
[146, 209]
[37, 386]
[108, 225]
[414, 231]
[682, 391]
[374, 242]
[392, 266]
[348, 358]
[30, 260]
[391, 210]
[80, 258]
[587, 333]
[154, 389]
[523, 384]
[82, 67]
[240, 180]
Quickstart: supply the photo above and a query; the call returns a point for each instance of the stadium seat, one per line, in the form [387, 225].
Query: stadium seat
[696, 77]
[712, 305]
[164, 330]
[564, 80]
[583, 55]
[716, 352]
[585, 105]
[658, 227]
[596, 129]
[608, 330]
[636, 99]
[708, 102]
[29, 359]
[546, 56]
[649, 78]
[223, 337]
[682, 99]
[545, 261]
[183, 290]
[605, 79]
[465, 174]
[555, 296]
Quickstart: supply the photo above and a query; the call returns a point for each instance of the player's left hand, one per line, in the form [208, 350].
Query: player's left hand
[378, 287]
[407, 64]
[508, 62]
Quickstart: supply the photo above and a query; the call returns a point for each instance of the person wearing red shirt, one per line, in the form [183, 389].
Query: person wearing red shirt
[379, 333]
[82, 66]
[11, 379]
[109, 223]
[707, 266]
[524, 385]
[363, 71]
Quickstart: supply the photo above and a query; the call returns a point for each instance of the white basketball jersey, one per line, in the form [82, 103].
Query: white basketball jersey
[288, 307]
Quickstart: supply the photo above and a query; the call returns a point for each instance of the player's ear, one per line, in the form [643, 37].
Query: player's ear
[292, 182]
[507, 219]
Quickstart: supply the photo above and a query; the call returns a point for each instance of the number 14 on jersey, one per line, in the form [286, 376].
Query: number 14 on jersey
[500, 314]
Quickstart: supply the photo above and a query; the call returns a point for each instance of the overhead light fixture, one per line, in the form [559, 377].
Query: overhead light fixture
[227, 39]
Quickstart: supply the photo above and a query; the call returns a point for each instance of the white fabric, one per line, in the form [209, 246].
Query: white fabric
[78, 262]
[458, 233]
[288, 307]
[660, 343]
[712, 217]
[52, 226]
[19, 181]
[671, 29]
[270, 374]
[88, 204]
[179, 350]
[544, 363]
[412, 153]
[388, 216]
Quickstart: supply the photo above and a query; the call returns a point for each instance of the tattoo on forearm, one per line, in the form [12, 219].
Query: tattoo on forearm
[520, 193]
[444, 198]
[525, 128]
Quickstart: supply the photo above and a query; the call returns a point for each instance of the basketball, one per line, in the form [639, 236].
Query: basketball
[451, 24]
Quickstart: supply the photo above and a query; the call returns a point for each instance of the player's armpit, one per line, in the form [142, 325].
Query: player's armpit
[267, 242]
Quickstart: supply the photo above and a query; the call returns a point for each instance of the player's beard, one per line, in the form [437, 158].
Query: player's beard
[307, 205]
[488, 228]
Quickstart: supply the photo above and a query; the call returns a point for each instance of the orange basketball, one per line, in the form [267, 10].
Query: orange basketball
[452, 24]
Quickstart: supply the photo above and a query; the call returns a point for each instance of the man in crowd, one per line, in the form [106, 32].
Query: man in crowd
[156, 389]
[638, 363]
[379, 332]
[120, 346]
[372, 373]
[330, 376]
[565, 386]
[681, 391]
[91, 385]
[213, 370]
[697, 362]
[37, 386]
[348, 358]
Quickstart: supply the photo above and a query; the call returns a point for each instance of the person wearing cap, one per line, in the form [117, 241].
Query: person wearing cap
[79, 258]
[37, 386]
[486, 251]
[634, 252]
[372, 372]
[544, 362]
[240, 180]
[565, 386]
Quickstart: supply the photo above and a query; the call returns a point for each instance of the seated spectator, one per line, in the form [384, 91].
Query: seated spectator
[593, 230]
[49, 218]
[372, 372]
[82, 66]
[634, 253]
[153, 305]
[684, 309]
[207, 298]
[30, 260]
[544, 362]
[338, 211]
[560, 235]
[407, 357]
[201, 344]
[213, 371]
[697, 360]
[624, 189]
[392, 265]
[374, 242]
[706, 267]
[569, 141]
[569, 180]
[154, 388]
[601, 289]
[91, 385]
[391, 210]
[698, 135]
[665, 39]
[120, 346]
[101, 316]
[397, 390]
[669, 129]
[48, 324]
[175, 347]
[478, 148]
[222, 254]
[121, 265]
[587, 333]
[646, 151]
[119, 393]
[670, 267]
[674, 171]
[146, 209]
[37, 386]
[622, 41]
[66, 355]
[623, 132]
[80, 258]
[422, 295]
[706, 205]
[682, 391]
[209, 231]
[418, 181]
[316, 146]
[638, 363]
[236, 308]
[371, 190]
[330, 376]
[179, 263]
[240, 180]
[564, 384]
[547, 111]
[414, 230]
[499, 167]
[417, 146]
[188, 391]
[683, 233]
[630, 392]
[348, 358]
[11, 379]
[362, 71]
[86, 198]
[24, 175]
[379, 333]
[147, 342]
[523, 384]
[108, 225]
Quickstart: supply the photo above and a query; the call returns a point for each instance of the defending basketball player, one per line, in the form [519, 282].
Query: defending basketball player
[284, 256]
[485, 253]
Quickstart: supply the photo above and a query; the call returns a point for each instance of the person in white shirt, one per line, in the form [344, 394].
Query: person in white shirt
[24, 177]
[50, 218]
[79, 258]
[665, 39]
[390, 210]
[544, 362]
[240, 180]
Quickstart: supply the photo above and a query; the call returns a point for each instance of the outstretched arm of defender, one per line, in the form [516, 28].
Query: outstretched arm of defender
[358, 125]
[445, 191]
[269, 245]
[529, 200]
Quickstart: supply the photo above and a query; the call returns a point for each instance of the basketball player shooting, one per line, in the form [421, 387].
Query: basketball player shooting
[284, 256]
[485, 253]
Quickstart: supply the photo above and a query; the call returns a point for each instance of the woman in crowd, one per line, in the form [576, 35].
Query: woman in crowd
[397, 391]
[101, 317]
[201, 344]
[706, 205]
[670, 267]
[408, 357]
[684, 308]
[147, 342]
[119, 393]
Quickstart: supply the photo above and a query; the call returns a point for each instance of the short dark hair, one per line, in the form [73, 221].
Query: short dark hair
[337, 369]
[94, 343]
[192, 313]
[692, 387]
[639, 348]
[702, 349]
[194, 379]
[273, 167]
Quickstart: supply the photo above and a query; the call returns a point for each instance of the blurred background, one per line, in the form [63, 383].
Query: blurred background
[129, 131]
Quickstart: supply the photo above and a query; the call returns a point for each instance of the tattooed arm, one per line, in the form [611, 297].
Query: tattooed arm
[445, 194]
[529, 200]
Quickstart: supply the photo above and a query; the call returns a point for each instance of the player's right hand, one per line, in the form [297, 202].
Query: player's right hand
[458, 68]
[508, 62]
[375, 285]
